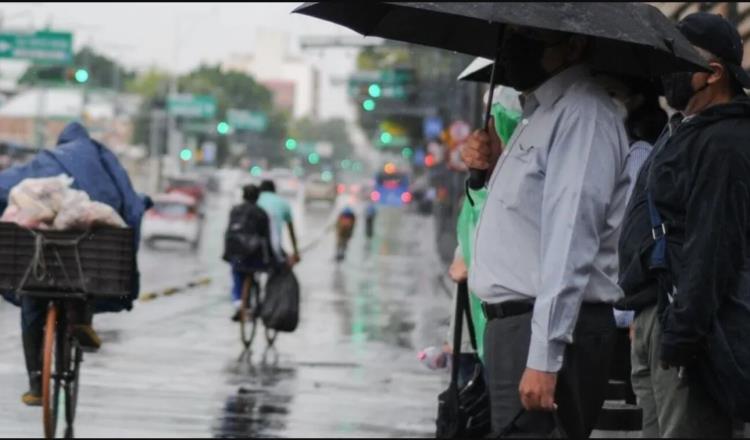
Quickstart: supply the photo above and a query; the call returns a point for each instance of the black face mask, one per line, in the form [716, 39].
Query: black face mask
[678, 89]
[521, 58]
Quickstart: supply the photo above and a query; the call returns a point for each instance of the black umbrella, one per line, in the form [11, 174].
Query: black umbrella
[628, 38]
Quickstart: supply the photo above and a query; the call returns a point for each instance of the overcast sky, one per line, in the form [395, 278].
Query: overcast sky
[140, 35]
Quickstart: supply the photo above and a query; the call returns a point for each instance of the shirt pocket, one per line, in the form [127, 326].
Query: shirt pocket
[523, 152]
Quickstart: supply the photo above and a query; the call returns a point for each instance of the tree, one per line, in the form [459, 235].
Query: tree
[331, 130]
[102, 71]
[231, 90]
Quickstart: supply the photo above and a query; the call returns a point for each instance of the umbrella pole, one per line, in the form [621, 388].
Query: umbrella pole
[478, 177]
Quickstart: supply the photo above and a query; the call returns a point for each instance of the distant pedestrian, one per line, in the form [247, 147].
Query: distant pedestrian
[344, 228]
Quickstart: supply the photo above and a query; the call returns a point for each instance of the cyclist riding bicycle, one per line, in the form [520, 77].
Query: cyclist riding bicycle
[279, 212]
[247, 242]
[96, 171]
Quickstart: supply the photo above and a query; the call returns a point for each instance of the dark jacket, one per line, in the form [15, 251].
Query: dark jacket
[247, 241]
[700, 182]
[96, 171]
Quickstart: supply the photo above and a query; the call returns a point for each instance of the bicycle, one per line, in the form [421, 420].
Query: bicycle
[61, 363]
[250, 308]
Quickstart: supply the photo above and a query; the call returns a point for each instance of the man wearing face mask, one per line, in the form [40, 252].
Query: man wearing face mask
[685, 248]
[544, 261]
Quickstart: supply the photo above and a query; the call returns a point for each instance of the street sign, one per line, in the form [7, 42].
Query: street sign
[192, 106]
[247, 120]
[43, 47]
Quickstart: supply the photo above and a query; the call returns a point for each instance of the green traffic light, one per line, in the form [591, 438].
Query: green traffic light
[374, 90]
[368, 105]
[407, 153]
[386, 137]
[291, 144]
[186, 154]
[222, 127]
[82, 75]
[256, 171]
[346, 164]
[326, 176]
[313, 158]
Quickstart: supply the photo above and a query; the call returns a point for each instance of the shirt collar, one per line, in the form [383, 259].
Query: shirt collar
[551, 90]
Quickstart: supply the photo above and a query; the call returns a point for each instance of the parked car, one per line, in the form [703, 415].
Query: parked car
[319, 189]
[174, 217]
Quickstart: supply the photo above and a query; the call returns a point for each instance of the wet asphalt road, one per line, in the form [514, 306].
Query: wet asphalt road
[170, 367]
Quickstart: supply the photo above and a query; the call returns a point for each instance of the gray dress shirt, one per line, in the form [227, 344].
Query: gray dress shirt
[551, 222]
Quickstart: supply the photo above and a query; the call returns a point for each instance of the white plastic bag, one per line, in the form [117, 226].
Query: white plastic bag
[79, 212]
[50, 202]
[36, 201]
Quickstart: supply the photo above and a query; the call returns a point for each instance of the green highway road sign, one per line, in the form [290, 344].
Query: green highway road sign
[192, 106]
[247, 120]
[43, 47]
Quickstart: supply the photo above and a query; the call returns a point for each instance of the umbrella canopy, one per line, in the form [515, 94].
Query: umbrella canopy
[628, 38]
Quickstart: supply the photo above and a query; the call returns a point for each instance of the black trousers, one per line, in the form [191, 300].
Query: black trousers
[581, 383]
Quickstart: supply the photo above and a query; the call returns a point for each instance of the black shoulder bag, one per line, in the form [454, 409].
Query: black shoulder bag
[463, 413]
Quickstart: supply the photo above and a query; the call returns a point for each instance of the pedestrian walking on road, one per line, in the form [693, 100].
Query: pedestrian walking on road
[685, 249]
[544, 261]
[344, 228]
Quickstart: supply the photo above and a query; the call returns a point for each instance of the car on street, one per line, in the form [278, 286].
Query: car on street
[193, 186]
[319, 189]
[174, 217]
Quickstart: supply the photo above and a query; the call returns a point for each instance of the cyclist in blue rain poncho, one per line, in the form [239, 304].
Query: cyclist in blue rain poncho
[96, 171]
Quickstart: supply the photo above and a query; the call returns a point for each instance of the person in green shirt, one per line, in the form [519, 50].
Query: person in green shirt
[506, 113]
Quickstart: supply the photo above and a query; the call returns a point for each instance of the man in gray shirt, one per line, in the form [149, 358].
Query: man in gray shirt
[545, 259]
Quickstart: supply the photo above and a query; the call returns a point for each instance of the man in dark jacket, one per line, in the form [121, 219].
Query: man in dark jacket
[687, 298]
[96, 171]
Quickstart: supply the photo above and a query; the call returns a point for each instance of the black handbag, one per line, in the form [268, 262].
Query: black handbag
[465, 412]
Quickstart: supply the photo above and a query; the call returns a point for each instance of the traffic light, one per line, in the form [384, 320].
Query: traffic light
[386, 137]
[368, 105]
[256, 171]
[186, 154]
[222, 128]
[313, 158]
[407, 153]
[82, 75]
[374, 90]
[291, 144]
[326, 176]
[346, 164]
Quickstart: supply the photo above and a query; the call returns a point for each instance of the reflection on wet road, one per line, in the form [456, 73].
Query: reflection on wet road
[170, 367]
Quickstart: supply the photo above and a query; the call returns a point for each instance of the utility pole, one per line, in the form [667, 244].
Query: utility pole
[155, 144]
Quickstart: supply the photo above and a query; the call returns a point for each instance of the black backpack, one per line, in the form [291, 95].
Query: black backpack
[247, 238]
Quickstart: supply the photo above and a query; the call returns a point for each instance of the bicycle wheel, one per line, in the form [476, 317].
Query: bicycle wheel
[51, 367]
[249, 310]
[271, 336]
[71, 386]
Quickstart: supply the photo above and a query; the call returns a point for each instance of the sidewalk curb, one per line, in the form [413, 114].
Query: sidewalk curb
[152, 295]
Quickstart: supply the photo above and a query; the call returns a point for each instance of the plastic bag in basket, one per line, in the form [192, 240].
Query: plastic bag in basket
[36, 201]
